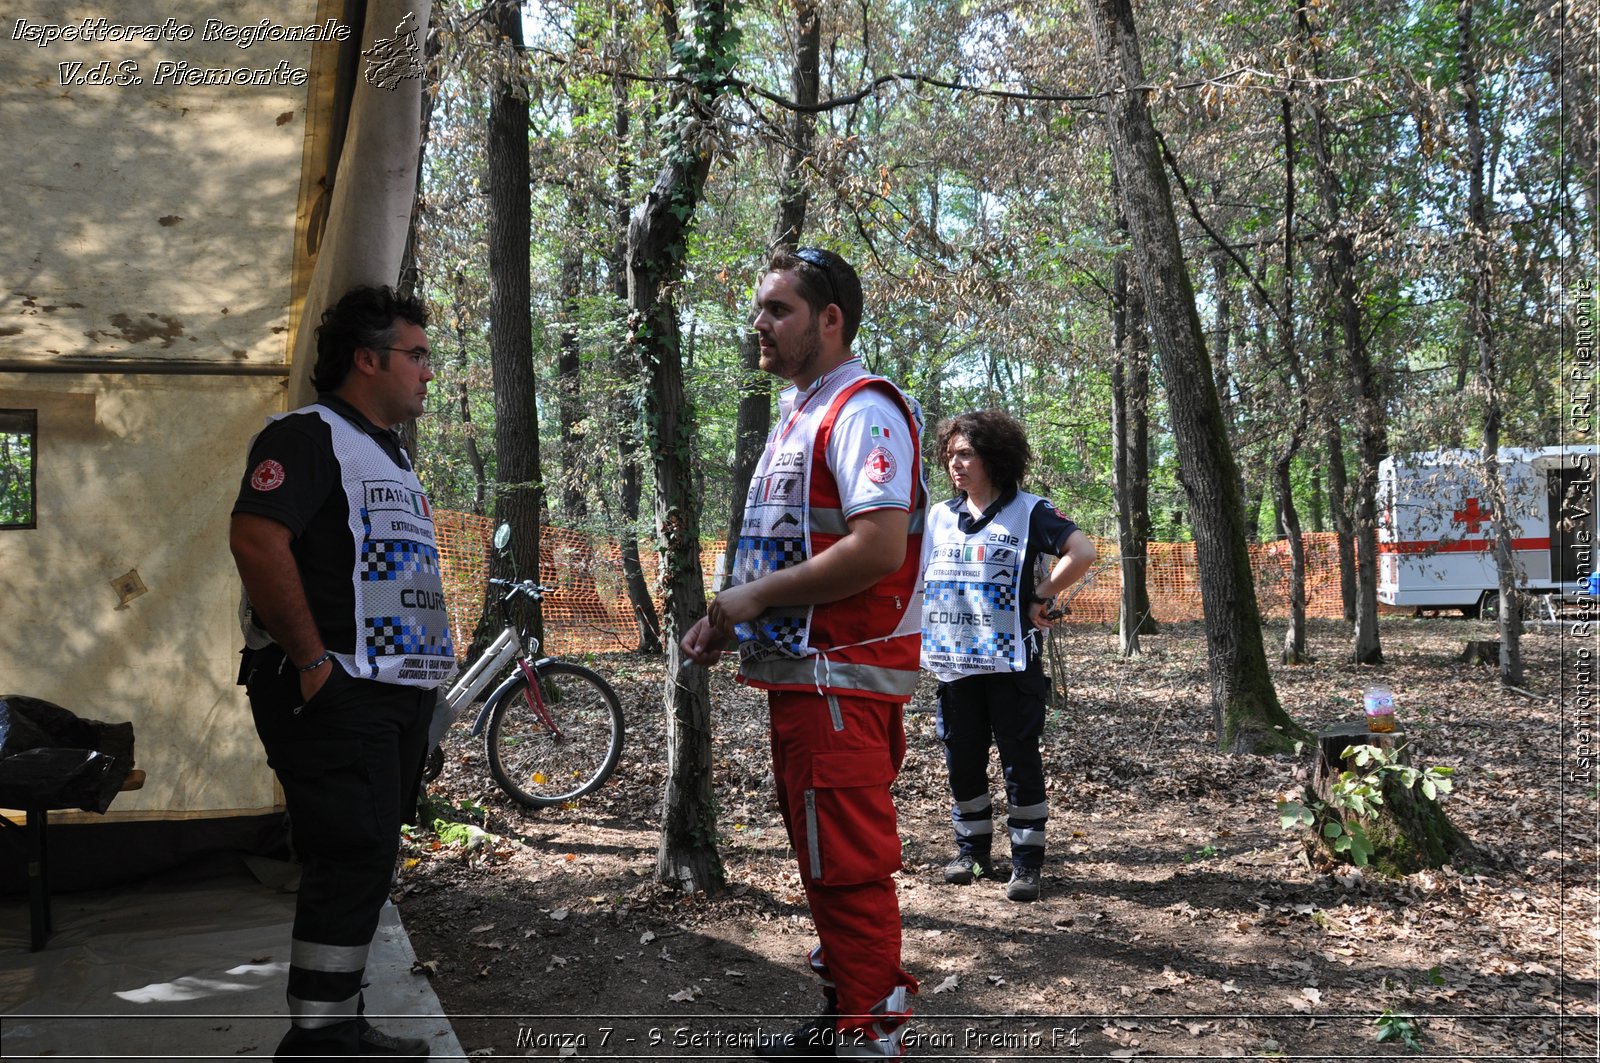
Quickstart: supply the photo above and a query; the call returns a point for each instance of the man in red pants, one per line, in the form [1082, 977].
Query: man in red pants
[825, 606]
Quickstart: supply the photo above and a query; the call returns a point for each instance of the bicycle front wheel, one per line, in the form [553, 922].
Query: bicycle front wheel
[541, 767]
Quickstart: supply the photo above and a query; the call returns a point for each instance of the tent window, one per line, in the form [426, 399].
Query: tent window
[19, 440]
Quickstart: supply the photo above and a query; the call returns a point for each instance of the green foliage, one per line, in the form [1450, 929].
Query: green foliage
[1357, 795]
[1395, 1026]
[464, 835]
[16, 476]
[457, 825]
[983, 225]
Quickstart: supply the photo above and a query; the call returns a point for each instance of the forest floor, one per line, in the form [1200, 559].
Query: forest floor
[1178, 918]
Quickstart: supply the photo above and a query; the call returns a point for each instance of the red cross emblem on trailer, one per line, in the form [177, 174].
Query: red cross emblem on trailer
[1473, 516]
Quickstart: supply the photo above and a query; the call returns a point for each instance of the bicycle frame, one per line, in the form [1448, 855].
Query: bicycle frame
[488, 665]
[502, 651]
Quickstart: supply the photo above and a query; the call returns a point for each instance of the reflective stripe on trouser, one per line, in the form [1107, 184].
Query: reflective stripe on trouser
[833, 792]
[883, 1036]
[349, 762]
[1008, 710]
[974, 824]
[1025, 825]
[324, 971]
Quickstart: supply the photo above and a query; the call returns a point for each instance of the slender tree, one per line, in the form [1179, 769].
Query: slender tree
[625, 407]
[569, 390]
[1480, 296]
[755, 387]
[1248, 714]
[1294, 637]
[1130, 443]
[519, 487]
[1372, 441]
[657, 234]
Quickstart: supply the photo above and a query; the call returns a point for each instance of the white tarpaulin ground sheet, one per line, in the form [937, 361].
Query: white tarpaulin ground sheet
[169, 970]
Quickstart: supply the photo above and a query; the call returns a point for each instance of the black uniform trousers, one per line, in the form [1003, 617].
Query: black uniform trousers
[349, 761]
[1007, 710]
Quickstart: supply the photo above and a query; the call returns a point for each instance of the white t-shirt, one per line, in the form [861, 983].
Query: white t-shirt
[872, 454]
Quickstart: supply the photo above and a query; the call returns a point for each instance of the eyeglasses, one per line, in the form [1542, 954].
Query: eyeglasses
[420, 355]
[812, 257]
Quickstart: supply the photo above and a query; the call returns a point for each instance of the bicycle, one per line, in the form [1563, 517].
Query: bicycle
[553, 729]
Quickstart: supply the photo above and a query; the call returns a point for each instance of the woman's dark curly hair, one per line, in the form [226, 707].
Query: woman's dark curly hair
[999, 440]
[363, 317]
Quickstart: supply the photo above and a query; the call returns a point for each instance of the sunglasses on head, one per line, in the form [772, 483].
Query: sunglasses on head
[812, 257]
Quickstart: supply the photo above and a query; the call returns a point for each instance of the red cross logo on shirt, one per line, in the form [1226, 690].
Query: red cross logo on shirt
[879, 466]
[1472, 516]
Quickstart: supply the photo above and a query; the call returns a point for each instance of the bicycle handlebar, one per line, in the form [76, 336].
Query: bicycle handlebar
[533, 590]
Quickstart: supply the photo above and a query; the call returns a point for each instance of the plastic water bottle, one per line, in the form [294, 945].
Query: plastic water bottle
[1379, 703]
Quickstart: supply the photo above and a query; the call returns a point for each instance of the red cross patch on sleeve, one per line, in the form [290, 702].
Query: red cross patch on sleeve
[879, 466]
[267, 476]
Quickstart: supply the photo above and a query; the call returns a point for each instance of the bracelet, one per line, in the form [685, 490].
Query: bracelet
[327, 655]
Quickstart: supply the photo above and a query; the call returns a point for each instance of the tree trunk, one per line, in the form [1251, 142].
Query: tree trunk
[1371, 428]
[569, 390]
[1339, 510]
[1294, 637]
[1221, 368]
[1128, 613]
[1480, 297]
[1130, 421]
[1319, 512]
[480, 482]
[687, 859]
[755, 387]
[1410, 831]
[627, 418]
[1248, 715]
[1138, 384]
[519, 488]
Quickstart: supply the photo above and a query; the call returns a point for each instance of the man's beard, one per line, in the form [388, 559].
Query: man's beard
[793, 363]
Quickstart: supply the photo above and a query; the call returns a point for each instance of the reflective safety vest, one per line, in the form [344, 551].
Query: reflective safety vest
[866, 644]
[402, 630]
[971, 623]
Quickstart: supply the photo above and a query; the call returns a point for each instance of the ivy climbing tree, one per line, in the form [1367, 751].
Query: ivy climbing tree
[703, 51]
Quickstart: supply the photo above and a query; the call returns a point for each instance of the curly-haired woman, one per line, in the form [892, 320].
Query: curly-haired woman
[982, 610]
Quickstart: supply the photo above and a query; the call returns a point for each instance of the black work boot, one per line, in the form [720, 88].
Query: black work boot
[338, 1041]
[966, 867]
[375, 1044]
[816, 1039]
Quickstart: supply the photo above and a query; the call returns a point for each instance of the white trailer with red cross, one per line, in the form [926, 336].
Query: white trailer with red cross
[1436, 528]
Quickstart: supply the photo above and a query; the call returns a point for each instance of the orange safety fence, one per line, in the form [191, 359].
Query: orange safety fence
[590, 612]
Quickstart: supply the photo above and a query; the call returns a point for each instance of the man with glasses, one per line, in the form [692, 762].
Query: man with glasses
[346, 641]
[825, 607]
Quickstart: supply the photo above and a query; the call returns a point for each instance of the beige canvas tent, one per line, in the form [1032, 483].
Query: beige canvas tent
[187, 183]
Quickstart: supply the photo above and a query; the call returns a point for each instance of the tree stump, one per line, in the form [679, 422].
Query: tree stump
[1409, 831]
[1481, 651]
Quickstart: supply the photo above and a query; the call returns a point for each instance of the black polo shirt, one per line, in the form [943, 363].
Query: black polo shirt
[293, 478]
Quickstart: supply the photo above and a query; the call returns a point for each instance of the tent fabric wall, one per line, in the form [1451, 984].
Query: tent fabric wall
[374, 190]
[169, 250]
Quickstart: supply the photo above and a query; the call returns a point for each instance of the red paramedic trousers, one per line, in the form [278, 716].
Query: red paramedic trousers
[834, 757]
